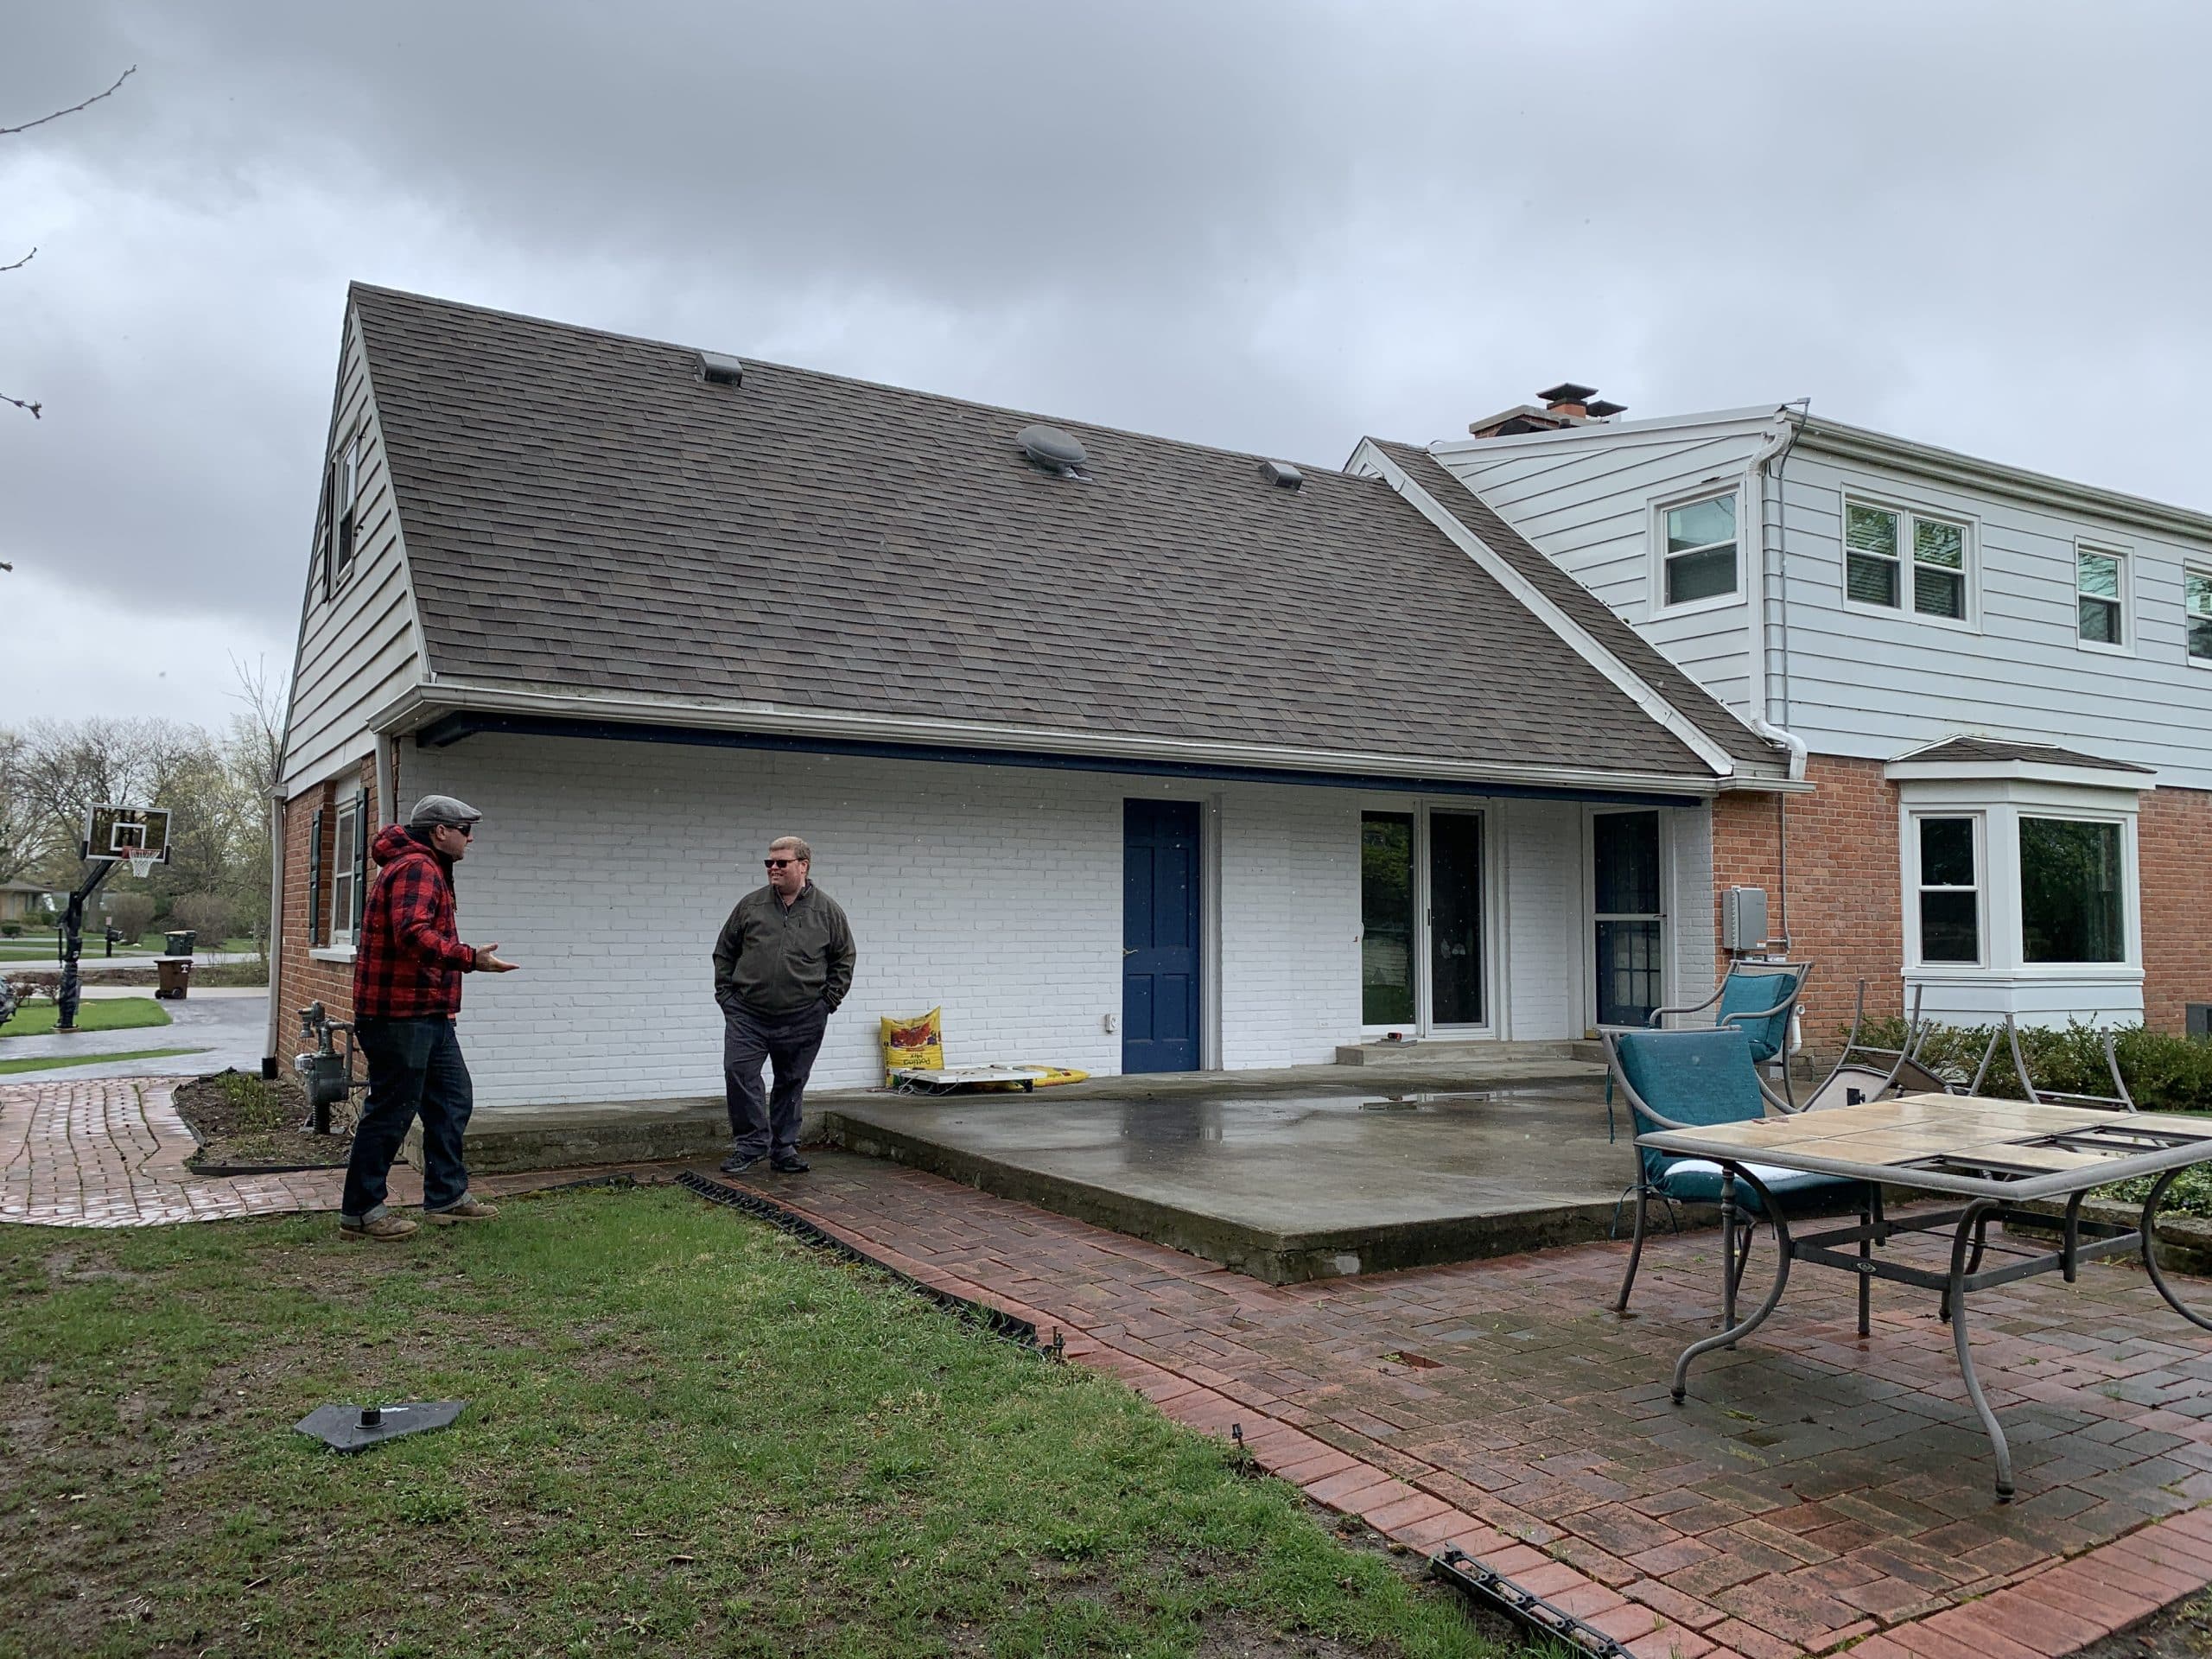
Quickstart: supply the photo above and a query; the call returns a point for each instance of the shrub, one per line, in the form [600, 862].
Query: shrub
[209, 914]
[2164, 1072]
[131, 914]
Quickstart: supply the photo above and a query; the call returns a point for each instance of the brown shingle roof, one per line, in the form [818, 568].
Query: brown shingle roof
[2009, 748]
[1596, 618]
[581, 510]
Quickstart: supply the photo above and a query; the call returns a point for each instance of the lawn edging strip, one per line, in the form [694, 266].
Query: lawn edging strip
[996, 1320]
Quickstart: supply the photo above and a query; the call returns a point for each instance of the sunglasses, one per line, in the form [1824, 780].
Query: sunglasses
[779, 863]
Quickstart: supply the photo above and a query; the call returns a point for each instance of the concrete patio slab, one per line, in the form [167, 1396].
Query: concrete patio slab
[1284, 1189]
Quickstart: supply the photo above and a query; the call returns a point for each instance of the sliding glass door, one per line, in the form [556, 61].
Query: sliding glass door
[1424, 921]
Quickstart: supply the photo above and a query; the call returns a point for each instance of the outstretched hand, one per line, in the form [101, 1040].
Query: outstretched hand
[488, 961]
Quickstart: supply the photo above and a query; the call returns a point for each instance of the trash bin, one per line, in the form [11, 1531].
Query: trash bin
[181, 943]
[175, 974]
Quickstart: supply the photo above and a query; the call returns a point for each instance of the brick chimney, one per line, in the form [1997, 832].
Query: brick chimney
[1564, 405]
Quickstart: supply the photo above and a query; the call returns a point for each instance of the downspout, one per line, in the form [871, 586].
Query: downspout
[269, 1068]
[1771, 465]
[387, 808]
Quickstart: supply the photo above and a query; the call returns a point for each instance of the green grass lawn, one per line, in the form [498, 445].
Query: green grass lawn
[12, 1068]
[39, 946]
[685, 1434]
[93, 1013]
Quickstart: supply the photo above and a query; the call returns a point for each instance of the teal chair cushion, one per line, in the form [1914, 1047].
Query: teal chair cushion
[1703, 1077]
[1747, 993]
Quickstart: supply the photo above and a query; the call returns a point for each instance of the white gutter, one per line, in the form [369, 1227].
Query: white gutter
[1584, 646]
[1789, 740]
[420, 703]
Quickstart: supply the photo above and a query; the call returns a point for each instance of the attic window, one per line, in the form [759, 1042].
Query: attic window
[718, 370]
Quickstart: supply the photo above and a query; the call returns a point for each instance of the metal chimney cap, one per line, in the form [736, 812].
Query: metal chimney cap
[1567, 392]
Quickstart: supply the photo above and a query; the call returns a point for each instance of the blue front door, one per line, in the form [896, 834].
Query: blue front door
[1160, 936]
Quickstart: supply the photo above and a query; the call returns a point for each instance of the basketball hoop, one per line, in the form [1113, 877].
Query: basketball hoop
[141, 864]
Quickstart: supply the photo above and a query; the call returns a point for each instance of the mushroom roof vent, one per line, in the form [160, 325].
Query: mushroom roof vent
[1052, 449]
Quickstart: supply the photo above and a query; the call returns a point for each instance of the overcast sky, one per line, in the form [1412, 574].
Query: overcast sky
[1270, 227]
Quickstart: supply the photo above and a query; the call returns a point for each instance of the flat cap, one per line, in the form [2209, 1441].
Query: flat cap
[443, 809]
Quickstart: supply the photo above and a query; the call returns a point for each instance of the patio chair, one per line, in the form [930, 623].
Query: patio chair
[1684, 1079]
[1865, 1072]
[2118, 1101]
[1761, 998]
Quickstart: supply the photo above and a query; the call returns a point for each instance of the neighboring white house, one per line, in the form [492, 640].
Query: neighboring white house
[1164, 758]
[1875, 598]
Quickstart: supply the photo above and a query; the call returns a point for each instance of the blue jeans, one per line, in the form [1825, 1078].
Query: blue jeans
[415, 1069]
[767, 1123]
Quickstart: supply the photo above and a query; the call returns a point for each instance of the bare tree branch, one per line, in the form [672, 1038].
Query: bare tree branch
[20, 403]
[20, 263]
[9, 132]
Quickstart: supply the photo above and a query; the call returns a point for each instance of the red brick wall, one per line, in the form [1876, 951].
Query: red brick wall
[2174, 847]
[1843, 891]
[302, 979]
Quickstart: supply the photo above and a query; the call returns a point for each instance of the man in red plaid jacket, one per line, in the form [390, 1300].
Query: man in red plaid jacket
[408, 962]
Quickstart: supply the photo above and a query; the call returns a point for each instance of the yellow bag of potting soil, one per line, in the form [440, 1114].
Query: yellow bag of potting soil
[916, 1041]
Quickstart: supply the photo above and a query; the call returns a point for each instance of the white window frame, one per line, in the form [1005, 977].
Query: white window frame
[345, 498]
[2201, 571]
[1711, 490]
[341, 930]
[1421, 809]
[1908, 516]
[2131, 952]
[2125, 555]
[1915, 951]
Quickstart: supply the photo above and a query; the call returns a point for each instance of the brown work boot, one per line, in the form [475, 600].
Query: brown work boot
[384, 1228]
[467, 1209]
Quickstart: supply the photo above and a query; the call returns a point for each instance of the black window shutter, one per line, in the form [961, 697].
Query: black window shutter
[326, 537]
[315, 910]
[360, 855]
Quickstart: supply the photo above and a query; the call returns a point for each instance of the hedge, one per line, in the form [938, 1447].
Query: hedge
[2165, 1073]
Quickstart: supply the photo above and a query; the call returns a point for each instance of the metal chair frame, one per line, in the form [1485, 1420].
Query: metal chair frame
[1738, 1252]
[1898, 1068]
[1656, 1023]
[2118, 1101]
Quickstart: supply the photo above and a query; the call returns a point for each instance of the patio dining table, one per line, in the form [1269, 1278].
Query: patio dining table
[1996, 1155]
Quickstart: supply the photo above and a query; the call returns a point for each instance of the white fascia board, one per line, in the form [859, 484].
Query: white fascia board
[421, 704]
[1839, 441]
[1584, 645]
[1755, 416]
[2026, 772]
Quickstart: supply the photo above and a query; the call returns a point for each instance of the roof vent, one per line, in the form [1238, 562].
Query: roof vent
[1052, 449]
[717, 370]
[1281, 474]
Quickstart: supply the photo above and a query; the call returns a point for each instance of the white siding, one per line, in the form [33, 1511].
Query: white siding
[1873, 684]
[358, 648]
[605, 870]
[1586, 500]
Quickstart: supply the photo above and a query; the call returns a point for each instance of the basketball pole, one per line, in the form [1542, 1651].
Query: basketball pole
[73, 929]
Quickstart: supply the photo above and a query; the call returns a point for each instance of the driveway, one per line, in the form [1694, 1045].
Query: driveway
[224, 1028]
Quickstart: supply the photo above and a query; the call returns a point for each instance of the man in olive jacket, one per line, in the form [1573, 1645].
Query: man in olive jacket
[781, 966]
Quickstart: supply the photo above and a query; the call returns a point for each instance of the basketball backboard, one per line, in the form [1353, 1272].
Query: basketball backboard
[140, 834]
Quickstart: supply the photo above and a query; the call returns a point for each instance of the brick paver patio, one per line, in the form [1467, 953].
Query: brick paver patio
[1814, 1491]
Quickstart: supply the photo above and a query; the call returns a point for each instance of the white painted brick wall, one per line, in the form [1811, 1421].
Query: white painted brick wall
[1289, 924]
[606, 870]
[1689, 907]
[1544, 909]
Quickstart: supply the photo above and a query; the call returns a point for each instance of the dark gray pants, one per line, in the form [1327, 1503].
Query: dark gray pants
[767, 1124]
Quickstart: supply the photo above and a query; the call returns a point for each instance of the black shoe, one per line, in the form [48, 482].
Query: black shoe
[739, 1163]
[791, 1164]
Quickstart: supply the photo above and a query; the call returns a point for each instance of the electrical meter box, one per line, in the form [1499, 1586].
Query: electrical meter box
[1743, 919]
